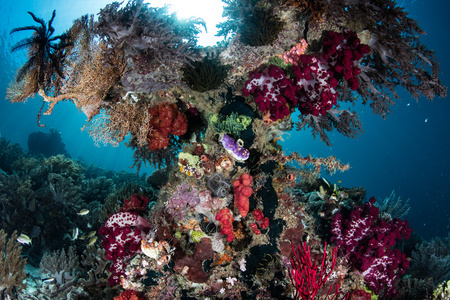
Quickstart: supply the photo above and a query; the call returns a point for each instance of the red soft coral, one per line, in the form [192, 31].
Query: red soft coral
[166, 119]
[242, 192]
[225, 219]
[136, 203]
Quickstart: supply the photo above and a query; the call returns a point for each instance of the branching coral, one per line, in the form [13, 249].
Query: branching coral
[61, 265]
[12, 266]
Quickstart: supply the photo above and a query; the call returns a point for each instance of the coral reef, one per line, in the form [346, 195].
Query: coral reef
[225, 217]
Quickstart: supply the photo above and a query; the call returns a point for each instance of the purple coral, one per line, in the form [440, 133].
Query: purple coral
[184, 198]
[367, 241]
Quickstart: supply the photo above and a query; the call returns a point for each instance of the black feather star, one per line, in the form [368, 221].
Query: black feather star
[45, 53]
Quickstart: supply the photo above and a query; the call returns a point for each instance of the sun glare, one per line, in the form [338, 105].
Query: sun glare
[209, 10]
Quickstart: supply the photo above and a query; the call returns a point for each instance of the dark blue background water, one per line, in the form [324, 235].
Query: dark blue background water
[408, 152]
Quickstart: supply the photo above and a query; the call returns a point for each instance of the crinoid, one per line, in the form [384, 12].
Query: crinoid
[260, 28]
[207, 74]
[46, 54]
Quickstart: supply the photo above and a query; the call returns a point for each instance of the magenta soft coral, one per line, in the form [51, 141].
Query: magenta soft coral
[122, 234]
[367, 241]
[312, 89]
[341, 51]
[272, 90]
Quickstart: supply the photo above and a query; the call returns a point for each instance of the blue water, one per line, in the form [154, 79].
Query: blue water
[408, 152]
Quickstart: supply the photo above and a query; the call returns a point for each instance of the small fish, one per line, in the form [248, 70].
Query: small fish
[24, 239]
[326, 181]
[91, 234]
[339, 181]
[92, 241]
[89, 225]
[75, 233]
[426, 120]
[83, 212]
[48, 280]
[408, 104]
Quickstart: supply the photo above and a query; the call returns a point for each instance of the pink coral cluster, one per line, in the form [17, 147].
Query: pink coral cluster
[122, 234]
[225, 219]
[293, 56]
[272, 90]
[166, 119]
[367, 241]
[242, 192]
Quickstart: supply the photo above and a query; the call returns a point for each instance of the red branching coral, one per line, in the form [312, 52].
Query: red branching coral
[242, 192]
[166, 119]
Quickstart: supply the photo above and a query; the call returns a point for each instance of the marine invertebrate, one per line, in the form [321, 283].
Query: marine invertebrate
[242, 191]
[122, 234]
[45, 56]
[156, 44]
[432, 260]
[61, 265]
[305, 275]
[231, 124]
[225, 218]
[235, 148]
[293, 56]
[205, 75]
[191, 266]
[184, 198]
[12, 266]
[398, 57]
[368, 242]
[272, 90]
[130, 295]
[165, 119]
[135, 203]
[260, 28]
[219, 185]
